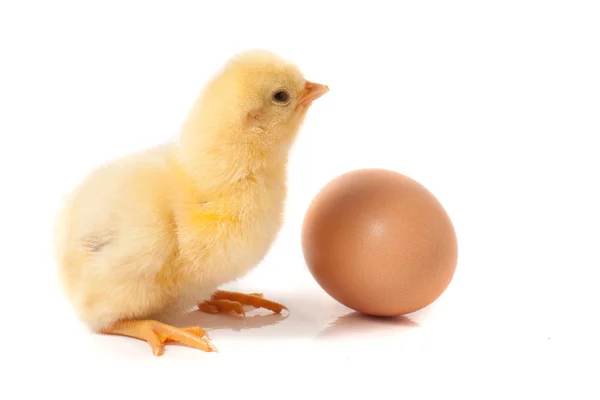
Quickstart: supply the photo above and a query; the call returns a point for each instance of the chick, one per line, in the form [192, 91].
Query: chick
[162, 229]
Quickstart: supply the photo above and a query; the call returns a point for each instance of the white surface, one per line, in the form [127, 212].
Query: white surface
[494, 108]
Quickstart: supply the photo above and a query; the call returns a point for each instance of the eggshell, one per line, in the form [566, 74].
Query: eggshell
[379, 242]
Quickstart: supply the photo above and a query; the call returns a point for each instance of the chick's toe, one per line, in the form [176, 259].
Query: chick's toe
[224, 301]
[157, 334]
[217, 306]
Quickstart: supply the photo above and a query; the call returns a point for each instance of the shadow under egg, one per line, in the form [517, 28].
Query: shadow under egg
[358, 324]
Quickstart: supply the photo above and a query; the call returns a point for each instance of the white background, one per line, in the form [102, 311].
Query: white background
[494, 106]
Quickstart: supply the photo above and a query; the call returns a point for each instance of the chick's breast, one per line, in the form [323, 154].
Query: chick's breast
[225, 237]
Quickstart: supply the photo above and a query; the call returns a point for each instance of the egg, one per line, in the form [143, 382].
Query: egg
[379, 242]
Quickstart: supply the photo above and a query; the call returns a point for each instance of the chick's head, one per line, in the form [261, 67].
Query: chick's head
[253, 107]
[272, 94]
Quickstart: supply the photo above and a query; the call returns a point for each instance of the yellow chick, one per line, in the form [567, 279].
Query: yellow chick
[162, 229]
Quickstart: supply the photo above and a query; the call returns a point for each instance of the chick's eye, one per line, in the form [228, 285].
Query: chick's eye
[281, 96]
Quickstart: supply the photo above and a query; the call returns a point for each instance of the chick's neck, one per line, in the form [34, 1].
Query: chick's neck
[216, 165]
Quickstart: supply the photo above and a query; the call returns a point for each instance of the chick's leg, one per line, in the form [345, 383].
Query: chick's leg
[156, 334]
[224, 301]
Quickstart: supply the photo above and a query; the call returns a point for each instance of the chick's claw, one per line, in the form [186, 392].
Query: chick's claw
[157, 334]
[223, 301]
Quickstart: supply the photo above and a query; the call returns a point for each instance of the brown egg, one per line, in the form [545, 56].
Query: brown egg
[379, 242]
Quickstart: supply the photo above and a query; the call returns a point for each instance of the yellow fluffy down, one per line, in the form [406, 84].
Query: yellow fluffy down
[164, 227]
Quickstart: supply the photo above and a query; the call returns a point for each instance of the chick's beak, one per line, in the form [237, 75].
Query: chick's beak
[312, 91]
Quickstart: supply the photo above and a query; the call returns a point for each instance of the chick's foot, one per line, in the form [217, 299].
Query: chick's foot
[156, 334]
[223, 301]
